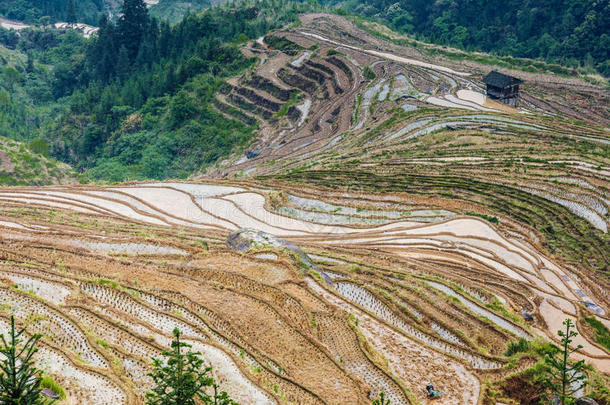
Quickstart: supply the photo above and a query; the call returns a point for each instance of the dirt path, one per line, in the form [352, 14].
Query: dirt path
[389, 56]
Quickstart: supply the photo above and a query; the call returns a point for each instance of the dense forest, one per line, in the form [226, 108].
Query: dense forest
[134, 101]
[568, 32]
[90, 11]
[49, 11]
[174, 10]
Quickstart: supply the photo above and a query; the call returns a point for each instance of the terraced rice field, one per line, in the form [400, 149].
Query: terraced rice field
[423, 125]
[106, 273]
[433, 223]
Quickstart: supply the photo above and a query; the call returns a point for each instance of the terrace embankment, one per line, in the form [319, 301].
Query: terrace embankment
[414, 292]
[440, 227]
[384, 117]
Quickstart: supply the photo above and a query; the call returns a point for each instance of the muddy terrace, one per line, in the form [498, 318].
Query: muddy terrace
[434, 222]
[340, 106]
[401, 292]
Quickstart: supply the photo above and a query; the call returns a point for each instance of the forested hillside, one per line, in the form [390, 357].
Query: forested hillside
[174, 10]
[134, 102]
[569, 32]
[35, 11]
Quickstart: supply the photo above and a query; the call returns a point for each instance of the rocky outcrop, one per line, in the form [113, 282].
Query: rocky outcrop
[246, 239]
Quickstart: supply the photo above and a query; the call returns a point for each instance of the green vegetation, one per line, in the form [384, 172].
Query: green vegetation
[490, 218]
[561, 377]
[572, 33]
[295, 97]
[283, 44]
[174, 10]
[552, 376]
[381, 400]
[602, 335]
[49, 11]
[48, 382]
[368, 73]
[332, 52]
[181, 379]
[20, 381]
[135, 101]
[520, 346]
[28, 101]
[21, 166]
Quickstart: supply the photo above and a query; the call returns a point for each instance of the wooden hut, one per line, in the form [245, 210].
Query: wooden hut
[503, 88]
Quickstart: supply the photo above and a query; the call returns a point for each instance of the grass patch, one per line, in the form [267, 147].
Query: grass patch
[49, 382]
[368, 73]
[357, 109]
[602, 335]
[316, 275]
[294, 100]
[110, 283]
[102, 343]
[497, 306]
[520, 346]
[332, 52]
[490, 218]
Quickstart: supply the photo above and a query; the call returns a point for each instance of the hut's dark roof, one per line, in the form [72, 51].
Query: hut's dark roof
[500, 80]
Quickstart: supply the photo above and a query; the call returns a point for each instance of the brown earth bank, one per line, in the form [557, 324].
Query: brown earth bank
[401, 291]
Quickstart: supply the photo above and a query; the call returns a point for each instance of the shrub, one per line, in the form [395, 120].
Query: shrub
[369, 74]
[48, 382]
[520, 346]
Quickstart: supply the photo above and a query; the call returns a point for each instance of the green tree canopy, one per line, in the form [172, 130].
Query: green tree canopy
[20, 381]
[563, 377]
[182, 379]
[132, 26]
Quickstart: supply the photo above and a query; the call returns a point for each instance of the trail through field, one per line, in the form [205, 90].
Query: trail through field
[389, 56]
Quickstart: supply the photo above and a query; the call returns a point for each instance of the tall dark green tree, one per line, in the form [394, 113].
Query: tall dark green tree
[71, 15]
[132, 26]
[102, 54]
[182, 379]
[123, 64]
[19, 379]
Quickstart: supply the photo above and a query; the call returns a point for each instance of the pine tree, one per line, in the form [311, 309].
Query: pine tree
[19, 379]
[29, 68]
[132, 25]
[562, 377]
[71, 15]
[182, 379]
[122, 64]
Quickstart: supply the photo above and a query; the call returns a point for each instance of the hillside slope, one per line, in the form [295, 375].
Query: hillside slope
[573, 33]
[19, 166]
[388, 293]
[338, 106]
[387, 227]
